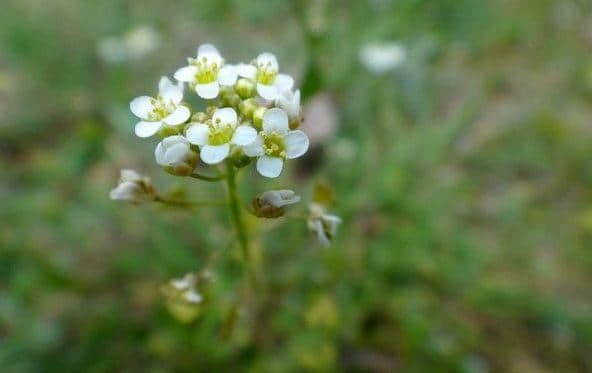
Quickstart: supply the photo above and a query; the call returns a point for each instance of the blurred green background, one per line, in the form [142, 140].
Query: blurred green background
[463, 177]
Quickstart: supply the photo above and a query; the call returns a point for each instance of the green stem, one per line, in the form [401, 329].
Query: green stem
[237, 220]
[208, 178]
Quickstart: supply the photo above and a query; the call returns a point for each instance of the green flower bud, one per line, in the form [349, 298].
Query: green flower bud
[166, 131]
[245, 88]
[200, 117]
[248, 107]
[295, 123]
[238, 157]
[258, 117]
[231, 99]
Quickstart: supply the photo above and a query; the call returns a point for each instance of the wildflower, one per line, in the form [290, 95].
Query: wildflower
[380, 58]
[290, 102]
[215, 136]
[175, 155]
[132, 187]
[264, 71]
[271, 204]
[164, 110]
[183, 297]
[207, 72]
[322, 224]
[275, 143]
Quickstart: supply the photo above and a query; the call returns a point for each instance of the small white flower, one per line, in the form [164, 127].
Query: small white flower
[185, 289]
[207, 72]
[184, 283]
[264, 71]
[380, 58]
[164, 110]
[175, 155]
[290, 102]
[322, 224]
[132, 187]
[215, 137]
[271, 204]
[275, 143]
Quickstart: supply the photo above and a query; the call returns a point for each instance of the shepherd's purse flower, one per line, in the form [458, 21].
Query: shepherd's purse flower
[132, 187]
[206, 73]
[264, 71]
[275, 143]
[174, 153]
[164, 110]
[215, 137]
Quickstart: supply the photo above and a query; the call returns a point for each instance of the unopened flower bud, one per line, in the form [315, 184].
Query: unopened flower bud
[271, 204]
[248, 107]
[238, 156]
[133, 187]
[166, 131]
[245, 88]
[200, 117]
[322, 224]
[258, 117]
[231, 99]
[174, 153]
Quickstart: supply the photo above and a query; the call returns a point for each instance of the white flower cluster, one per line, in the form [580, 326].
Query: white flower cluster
[252, 113]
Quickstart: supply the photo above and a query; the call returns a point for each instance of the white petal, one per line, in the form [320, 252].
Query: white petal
[198, 134]
[268, 92]
[147, 129]
[227, 75]
[265, 58]
[186, 74]
[141, 106]
[283, 82]
[170, 91]
[275, 120]
[129, 175]
[126, 191]
[280, 198]
[321, 236]
[192, 296]
[159, 153]
[176, 153]
[296, 143]
[254, 149]
[212, 154]
[208, 91]
[225, 115]
[270, 166]
[246, 70]
[244, 135]
[178, 116]
[207, 50]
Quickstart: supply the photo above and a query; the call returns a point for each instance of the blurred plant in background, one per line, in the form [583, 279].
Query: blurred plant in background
[463, 177]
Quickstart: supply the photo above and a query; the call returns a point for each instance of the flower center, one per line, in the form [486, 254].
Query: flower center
[160, 108]
[207, 71]
[266, 73]
[220, 133]
[273, 144]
